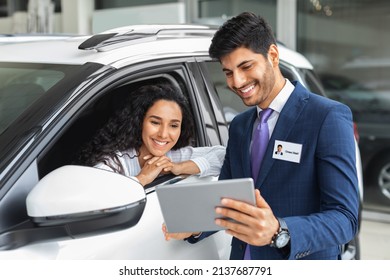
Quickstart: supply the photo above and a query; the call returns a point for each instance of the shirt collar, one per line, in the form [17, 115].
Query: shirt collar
[280, 100]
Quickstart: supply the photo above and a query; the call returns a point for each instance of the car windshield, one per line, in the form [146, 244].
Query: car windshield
[21, 85]
[30, 94]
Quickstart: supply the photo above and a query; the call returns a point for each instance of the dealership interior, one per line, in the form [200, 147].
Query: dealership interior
[344, 40]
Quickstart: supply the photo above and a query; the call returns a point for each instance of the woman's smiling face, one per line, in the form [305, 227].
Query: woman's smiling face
[161, 127]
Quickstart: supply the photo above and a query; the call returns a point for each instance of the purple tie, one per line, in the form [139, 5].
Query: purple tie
[259, 145]
[260, 142]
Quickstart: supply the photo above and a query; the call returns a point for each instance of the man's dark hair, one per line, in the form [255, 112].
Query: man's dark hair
[245, 30]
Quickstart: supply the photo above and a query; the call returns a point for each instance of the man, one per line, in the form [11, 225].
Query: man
[306, 203]
[279, 150]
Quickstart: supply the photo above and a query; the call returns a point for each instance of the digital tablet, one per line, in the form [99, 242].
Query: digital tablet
[190, 207]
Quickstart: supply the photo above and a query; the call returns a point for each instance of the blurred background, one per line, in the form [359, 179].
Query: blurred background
[346, 41]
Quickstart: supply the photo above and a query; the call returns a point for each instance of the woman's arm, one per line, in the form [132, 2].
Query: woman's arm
[208, 160]
[184, 167]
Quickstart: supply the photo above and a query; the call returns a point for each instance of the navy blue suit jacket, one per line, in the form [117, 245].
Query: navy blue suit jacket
[318, 197]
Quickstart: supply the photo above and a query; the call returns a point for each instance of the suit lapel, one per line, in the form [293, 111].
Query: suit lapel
[284, 126]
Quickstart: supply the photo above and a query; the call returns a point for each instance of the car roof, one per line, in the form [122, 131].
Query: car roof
[130, 43]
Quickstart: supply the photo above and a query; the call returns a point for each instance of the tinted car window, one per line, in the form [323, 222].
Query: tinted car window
[21, 85]
[32, 116]
[312, 82]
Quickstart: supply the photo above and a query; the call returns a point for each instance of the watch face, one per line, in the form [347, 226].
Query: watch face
[282, 239]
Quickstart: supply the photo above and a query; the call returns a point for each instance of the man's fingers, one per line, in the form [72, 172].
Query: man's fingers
[237, 221]
[260, 201]
[237, 205]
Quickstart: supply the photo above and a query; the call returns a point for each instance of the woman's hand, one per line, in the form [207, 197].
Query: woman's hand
[178, 235]
[152, 167]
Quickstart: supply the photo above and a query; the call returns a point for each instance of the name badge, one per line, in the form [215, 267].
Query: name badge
[287, 151]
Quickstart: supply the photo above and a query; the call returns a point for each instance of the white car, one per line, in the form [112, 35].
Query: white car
[55, 93]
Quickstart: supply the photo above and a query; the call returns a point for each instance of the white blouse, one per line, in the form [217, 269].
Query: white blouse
[208, 159]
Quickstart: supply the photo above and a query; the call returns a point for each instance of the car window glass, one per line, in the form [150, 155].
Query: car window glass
[304, 76]
[20, 86]
[82, 129]
[312, 82]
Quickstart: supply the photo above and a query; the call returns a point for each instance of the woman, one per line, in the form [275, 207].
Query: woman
[151, 136]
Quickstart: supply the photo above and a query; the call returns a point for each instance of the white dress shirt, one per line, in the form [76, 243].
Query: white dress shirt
[276, 105]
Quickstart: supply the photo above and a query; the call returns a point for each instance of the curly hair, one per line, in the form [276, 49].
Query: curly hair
[124, 130]
[245, 30]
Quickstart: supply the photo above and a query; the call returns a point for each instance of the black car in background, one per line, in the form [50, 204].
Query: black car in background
[371, 112]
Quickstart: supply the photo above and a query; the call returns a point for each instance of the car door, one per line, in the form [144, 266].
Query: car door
[91, 107]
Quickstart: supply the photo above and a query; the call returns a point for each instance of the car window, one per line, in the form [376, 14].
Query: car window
[21, 85]
[211, 117]
[67, 147]
[312, 81]
[24, 124]
[307, 77]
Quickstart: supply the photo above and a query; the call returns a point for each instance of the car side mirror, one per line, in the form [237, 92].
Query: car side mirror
[77, 201]
[77, 193]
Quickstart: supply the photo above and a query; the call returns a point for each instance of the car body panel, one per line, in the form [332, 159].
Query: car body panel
[144, 241]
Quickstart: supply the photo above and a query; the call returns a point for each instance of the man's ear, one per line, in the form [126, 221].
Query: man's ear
[273, 55]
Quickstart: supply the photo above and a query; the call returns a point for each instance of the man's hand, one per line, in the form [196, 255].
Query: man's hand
[256, 224]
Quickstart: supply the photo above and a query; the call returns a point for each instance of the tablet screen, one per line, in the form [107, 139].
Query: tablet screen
[190, 207]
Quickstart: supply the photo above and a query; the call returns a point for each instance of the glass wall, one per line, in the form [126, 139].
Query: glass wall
[217, 11]
[347, 43]
[104, 4]
[7, 8]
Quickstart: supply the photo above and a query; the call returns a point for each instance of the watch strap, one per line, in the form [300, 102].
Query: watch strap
[283, 229]
[282, 224]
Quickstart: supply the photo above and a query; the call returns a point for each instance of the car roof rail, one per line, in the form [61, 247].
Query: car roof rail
[129, 35]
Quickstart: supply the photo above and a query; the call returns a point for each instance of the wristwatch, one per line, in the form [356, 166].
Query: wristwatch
[282, 237]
